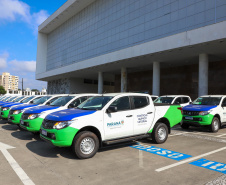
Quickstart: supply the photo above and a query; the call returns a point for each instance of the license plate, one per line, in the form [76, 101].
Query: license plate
[44, 133]
[21, 122]
[189, 118]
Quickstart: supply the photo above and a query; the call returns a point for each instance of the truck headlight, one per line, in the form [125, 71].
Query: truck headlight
[17, 112]
[33, 116]
[62, 124]
[203, 113]
[5, 108]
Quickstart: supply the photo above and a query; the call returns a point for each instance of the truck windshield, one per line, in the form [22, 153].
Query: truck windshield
[62, 101]
[2, 97]
[18, 99]
[164, 100]
[10, 99]
[41, 100]
[207, 101]
[95, 103]
[27, 99]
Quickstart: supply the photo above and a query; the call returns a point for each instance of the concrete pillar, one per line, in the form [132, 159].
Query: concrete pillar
[156, 79]
[123, 79]
[203, 74]
[100, 82]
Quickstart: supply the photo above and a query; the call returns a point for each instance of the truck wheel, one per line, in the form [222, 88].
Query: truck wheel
[85, 145]
[160, 133]
[215, 125]
[184, 126]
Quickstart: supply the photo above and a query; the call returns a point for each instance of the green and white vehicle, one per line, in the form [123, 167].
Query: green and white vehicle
[32, 118]
[181, 100]
[206, 111]
[107, 119]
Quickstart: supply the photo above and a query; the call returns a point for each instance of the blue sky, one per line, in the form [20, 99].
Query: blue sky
[19, 20]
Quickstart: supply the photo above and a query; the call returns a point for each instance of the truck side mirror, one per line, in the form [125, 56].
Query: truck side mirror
[71, 106]
[32, 101]
[112, 109]
[190, 103]
[48, 103]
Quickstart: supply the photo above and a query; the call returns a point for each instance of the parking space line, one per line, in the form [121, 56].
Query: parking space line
[199, 133]
[189, 160]
[178, 134]
[221, 135]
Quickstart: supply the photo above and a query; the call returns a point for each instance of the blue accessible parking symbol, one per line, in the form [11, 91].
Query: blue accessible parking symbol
[162, 152]
[211, 165]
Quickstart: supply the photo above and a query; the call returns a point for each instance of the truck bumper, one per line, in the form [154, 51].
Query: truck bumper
[15, 118]
[61, 138]
[33, 125]
[4, 114]
[198, 120]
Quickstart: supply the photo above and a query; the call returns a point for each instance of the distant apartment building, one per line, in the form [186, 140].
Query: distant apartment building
[9, 82]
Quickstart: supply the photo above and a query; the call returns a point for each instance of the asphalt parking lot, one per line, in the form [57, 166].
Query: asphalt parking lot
[193, 156]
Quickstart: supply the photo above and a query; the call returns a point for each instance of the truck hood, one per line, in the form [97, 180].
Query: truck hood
[68, 114]
[24, 106]
[10, 104]
[39, 109]
[198, 107]
[5, 103]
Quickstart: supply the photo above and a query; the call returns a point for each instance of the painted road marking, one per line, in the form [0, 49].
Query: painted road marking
[181, 133]
[210, 165]
[200, 133]
[162, 152]
[221, 135]
[189, 160]
[15, 166]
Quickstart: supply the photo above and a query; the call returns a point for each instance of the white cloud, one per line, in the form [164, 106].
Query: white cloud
[23, 69]
[34, 84]
[39, 18]
[11, 10]
[3, 60]
[23, 66]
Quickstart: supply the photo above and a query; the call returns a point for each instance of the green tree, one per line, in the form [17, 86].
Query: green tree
[2, 90]
[34, 90]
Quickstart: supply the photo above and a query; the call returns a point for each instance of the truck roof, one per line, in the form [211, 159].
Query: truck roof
[173, 95]
[213, 96]
[124, 93]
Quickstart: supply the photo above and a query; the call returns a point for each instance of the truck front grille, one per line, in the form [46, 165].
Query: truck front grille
[48, 124]
[191, 113]
[25, 116]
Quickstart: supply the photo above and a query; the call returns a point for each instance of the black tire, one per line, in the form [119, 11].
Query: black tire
[160, 133]
[91, 138]
[215, 125]
[184, 126]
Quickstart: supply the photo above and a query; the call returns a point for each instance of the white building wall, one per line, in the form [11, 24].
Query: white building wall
[107, 26]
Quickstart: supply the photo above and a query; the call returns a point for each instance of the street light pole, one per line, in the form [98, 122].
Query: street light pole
[22, 87]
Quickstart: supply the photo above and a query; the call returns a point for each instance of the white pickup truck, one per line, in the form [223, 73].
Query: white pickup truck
[108, 119]
[181, 100]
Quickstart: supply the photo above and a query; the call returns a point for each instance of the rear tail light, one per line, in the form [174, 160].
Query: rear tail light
[180, 108]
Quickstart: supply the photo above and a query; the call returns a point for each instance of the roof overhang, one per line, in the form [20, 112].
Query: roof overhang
[65, 12]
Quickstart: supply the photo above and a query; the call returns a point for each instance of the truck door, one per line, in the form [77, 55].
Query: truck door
[119, 124]
[223, 115]
[143, 114]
